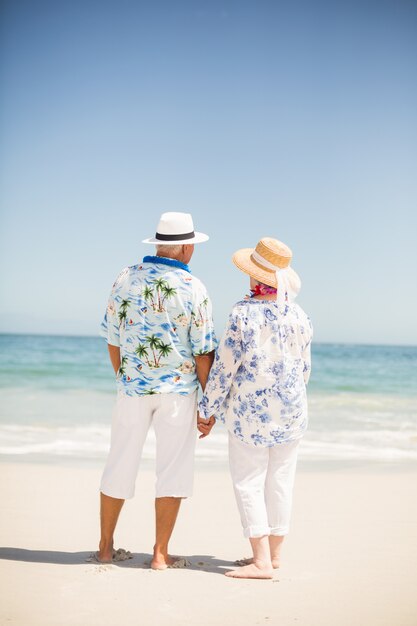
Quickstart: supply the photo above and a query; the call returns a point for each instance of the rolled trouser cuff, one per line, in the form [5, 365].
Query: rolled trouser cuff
[256, 531]
[279, 532]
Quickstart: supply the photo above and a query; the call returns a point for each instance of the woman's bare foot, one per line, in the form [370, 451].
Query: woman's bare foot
[261, 566]
[252, 571]
[249, 561]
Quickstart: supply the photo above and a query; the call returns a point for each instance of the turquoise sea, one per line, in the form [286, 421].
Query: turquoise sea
[57, 395]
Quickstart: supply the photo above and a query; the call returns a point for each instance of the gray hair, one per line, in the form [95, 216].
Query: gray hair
[169, 251]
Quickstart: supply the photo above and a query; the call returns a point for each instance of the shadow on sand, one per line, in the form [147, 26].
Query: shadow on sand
[197, 562]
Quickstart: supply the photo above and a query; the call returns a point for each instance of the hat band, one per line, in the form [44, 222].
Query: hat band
[259, 260]
[162, 237]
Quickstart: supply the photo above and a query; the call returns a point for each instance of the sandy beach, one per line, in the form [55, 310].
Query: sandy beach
[350, 558]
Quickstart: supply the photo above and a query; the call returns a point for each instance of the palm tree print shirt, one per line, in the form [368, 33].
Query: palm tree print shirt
[257, 384]
[161, 318]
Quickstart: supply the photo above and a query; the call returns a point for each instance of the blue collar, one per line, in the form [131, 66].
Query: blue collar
[164, 261]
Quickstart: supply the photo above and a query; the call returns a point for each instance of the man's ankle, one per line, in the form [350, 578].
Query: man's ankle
[105, 545]
[160, 549]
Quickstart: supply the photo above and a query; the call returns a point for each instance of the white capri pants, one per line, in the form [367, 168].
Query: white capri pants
[263, 480]
[174, 419]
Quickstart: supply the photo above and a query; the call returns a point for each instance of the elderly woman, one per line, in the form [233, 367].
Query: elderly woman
[257, 386]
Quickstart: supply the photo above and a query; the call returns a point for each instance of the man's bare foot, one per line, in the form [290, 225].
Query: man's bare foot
[161, 562]
[105, 553]
[173, 563]
[116, 556]
[252, 571]
[249, 561]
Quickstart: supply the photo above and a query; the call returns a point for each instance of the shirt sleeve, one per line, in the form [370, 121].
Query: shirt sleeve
[306, 350]
[110, 328]
[226, 363]
[202, 336]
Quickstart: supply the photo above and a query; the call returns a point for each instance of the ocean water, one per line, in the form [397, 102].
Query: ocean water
[57, 395]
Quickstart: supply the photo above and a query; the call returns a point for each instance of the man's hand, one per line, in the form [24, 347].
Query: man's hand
[205, 426]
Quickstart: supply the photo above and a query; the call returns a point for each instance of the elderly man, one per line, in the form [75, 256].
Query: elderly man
[161, 342]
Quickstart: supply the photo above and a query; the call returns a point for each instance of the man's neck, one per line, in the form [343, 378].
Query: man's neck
[173, 257]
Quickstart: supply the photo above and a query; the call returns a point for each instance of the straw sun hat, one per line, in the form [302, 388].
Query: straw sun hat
[269, 263]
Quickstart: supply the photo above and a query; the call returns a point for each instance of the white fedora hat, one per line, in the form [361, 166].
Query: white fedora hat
[176, 229]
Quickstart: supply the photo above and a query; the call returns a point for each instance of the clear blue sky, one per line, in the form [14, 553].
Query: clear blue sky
[296, 120]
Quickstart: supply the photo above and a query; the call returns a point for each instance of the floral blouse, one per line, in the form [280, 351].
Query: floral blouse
[257, 384]
[161, 318]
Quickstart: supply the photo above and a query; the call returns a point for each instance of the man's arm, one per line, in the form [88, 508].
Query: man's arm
[203, 365]
[114, 353]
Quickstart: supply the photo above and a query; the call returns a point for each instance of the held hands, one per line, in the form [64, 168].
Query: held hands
[205, 426]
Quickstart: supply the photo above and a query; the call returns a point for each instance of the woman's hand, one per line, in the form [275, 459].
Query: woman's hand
[205, 426]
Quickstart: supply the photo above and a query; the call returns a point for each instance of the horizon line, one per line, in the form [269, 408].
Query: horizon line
[97, 336]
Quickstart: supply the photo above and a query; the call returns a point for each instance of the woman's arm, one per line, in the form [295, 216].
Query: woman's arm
[306, 351]
[226, 363]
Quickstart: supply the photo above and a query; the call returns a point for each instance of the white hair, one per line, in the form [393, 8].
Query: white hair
[169, 251]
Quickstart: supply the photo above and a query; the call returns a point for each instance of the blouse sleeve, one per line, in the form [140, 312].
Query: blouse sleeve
[226, 363]
[306, 351]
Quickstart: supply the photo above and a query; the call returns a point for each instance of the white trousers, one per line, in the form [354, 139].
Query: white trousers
[263, 480]
[174, 419]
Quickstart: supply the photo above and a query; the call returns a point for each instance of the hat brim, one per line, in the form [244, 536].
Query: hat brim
[242, 260]
[198, 238]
